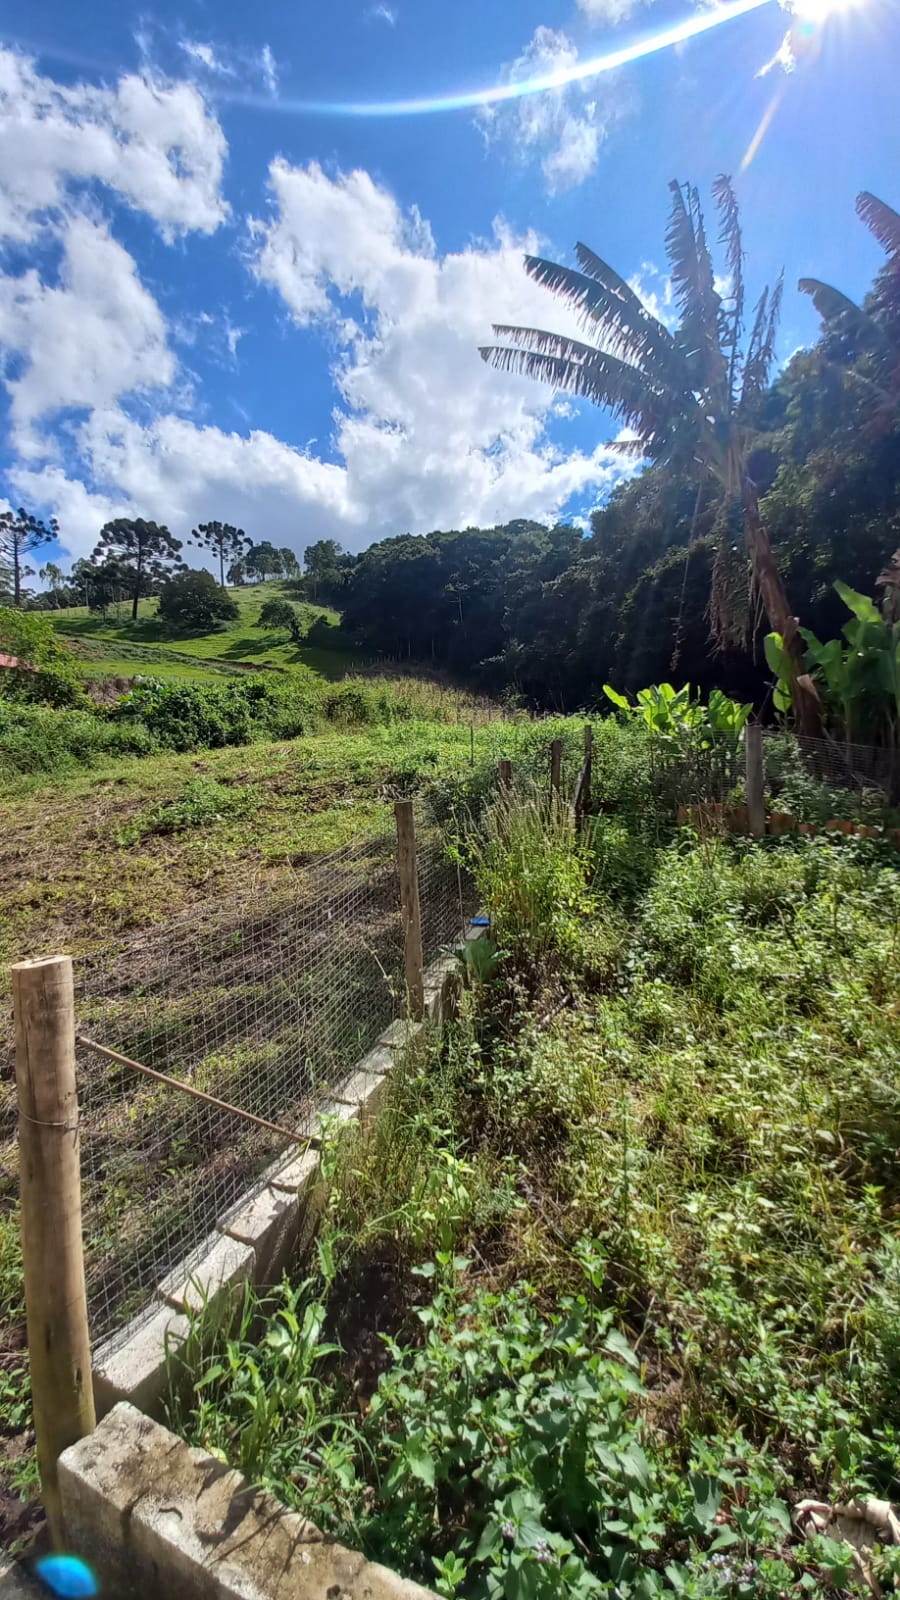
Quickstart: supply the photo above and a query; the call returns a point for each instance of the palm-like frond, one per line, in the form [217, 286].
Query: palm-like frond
[730, 237]
[760, 349]
[621, 324]
[695, 291]
[846, 317]
[882, 221]
[596, 375]
[657, 340]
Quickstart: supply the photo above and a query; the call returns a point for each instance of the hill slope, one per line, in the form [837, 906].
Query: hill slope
[115, 647]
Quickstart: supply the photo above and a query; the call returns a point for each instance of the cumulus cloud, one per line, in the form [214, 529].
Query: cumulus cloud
[85, 341]
[562, 127]
[155, 144]
[423, 433]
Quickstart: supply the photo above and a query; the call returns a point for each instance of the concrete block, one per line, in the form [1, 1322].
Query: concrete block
[218, 1275]
[296, 1173]
[300, 1177]
[154, 1517]
[400, 1033]
[132, 1366]
[270, 1224]
[378, 1061]
[365, 1091]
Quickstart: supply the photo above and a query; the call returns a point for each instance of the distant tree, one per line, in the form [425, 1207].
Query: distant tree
[237, 574]
[52, 575]
[21, 532]
[147, 551]
[226, 543]
[279, 615]
[326, 564]
[99, 584]
[290, 566]
[263, 561]
[194, 600]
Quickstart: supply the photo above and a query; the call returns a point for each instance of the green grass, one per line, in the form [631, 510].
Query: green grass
[613, 1282]
[233, 642]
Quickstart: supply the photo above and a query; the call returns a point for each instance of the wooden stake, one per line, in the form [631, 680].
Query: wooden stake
[504, 777]
[407, 871]
[755, 780]
[583, 786]
[555, 768]
[59, 1349]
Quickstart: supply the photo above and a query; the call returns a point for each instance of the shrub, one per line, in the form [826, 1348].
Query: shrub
[280, 614]
[40, 739]
[48, 674]
[194, 600]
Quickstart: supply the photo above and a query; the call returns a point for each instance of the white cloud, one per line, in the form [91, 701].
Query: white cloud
[383, 13]
[423, 433]
[207, 57]
[96, 335]
[563, 127]
[654, 289]
[608, 12]
[154, 143]
[268, 69]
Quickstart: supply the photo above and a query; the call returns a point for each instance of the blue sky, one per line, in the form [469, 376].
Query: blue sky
[218, 303]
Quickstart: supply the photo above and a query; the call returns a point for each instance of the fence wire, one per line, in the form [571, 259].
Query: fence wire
[871, 773]
[266, 1007]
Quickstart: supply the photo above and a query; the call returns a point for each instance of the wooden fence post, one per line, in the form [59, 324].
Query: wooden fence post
[555, 767]
[755, 780]
[59, 1349]
[504, 777]
[408, 873]
[583, 786]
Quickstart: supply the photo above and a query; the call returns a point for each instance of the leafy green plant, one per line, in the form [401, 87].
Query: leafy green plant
[675, 717]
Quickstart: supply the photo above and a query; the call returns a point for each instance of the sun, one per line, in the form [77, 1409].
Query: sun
[816, 12]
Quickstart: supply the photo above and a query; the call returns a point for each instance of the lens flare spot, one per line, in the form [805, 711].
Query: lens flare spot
[66, 1576]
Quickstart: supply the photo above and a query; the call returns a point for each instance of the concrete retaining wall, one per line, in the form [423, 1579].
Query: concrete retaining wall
[155, 1518]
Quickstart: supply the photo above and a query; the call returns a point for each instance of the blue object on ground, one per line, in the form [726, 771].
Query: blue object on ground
[66, 1576]
[480, 922]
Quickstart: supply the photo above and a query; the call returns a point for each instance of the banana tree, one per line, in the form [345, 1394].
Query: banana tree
[683, 722]
[689, 398]
[860, 678]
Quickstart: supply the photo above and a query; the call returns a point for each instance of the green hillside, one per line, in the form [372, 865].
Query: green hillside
[115, 647]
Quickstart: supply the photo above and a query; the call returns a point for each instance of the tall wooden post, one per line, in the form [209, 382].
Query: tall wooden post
[755, 779]
[504, 777]
[59, 1349]
[408, 873]
[555, 768]
[583, 786]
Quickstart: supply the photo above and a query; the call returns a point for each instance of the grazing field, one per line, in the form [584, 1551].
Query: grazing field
[106, 646]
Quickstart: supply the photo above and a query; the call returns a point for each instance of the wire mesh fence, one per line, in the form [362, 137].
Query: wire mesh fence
[265, 1007]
